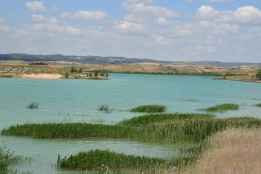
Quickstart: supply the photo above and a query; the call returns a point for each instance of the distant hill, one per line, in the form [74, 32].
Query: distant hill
[78, 59]
[112, 60]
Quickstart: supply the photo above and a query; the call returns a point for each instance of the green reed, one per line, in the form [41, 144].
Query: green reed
[149, 109]
[223, 108]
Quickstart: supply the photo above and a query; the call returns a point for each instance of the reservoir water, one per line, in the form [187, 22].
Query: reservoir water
[78, 100]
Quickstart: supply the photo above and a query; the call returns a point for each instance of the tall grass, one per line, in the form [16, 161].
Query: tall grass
[70, 131]
[99, 160]
[149, 108]
[223, 108]
[164, 129]
[6, 159]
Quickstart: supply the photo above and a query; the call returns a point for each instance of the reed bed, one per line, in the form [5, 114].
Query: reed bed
[180, 129]
[149, 109]
[159, 118]
[99, 160]
[70, 131]
[223, 108]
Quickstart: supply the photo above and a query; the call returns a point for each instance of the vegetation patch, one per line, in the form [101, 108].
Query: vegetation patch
[159, 118]
[99, 160]
[223, 108]
[149, 109]
[70, 131]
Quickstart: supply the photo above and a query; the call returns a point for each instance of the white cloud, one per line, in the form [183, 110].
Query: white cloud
[52, 25]
[3, 26]
[207, 12]
[221, 1]
[85, 15]
[248, 14]
[35, 6]
[56, 28]
[37, 18]
[127, 26]
[243, 15]
[145, 11]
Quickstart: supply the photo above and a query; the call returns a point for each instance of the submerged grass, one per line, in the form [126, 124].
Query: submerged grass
[99, 160]
[6, 159]
[149, 109]
[223, 108]
[258, 105]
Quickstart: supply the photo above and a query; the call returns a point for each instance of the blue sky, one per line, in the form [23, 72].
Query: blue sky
[184, 30]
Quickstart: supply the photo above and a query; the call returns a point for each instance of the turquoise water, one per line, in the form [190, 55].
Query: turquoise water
[78, 100]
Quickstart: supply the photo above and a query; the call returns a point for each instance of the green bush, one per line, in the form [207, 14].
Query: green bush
[223, 108]
[149, 109]
[258, 75]
[99, 160]
[159, 118]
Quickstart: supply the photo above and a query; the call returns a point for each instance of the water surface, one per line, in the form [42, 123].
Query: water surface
[78, 100]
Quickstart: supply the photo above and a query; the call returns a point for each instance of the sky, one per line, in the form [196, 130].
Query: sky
[175, 30]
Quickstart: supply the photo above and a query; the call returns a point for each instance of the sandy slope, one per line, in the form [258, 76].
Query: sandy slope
[42, 76]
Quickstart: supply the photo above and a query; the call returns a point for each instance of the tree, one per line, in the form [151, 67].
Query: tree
[258, 75]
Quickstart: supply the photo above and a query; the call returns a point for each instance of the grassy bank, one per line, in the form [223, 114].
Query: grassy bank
[98, 160]
[223, 108]
[149, 109]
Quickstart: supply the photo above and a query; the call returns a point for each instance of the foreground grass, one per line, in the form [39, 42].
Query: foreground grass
[232, 151]
[149, 109]
[223, 108]
[155, 128]
[98, 160]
